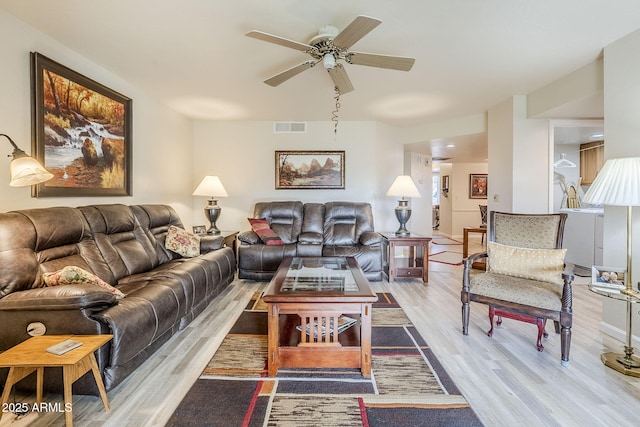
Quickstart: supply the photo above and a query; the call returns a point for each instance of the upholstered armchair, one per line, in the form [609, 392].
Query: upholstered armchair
[525, 275]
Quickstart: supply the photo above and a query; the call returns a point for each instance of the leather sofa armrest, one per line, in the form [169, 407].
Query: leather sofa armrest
[370, 238]
[310, 238]
[249, 237]
[64, 297]
[211, 243]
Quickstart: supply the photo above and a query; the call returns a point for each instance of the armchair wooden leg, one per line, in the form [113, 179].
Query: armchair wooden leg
[492, 313]
[565, 344]
[465, 318]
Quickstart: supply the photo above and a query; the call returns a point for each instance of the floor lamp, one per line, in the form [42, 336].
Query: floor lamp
[618, 184]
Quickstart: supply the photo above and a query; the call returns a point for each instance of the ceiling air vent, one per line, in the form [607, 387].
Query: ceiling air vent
[440, 159]
[289, 127]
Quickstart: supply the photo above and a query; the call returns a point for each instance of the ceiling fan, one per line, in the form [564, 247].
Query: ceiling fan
[330, 46]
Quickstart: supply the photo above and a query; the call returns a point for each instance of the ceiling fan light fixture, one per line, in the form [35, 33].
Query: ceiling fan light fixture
[329, 61]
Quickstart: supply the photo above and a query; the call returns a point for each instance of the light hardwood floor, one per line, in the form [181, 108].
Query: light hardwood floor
[506, 381]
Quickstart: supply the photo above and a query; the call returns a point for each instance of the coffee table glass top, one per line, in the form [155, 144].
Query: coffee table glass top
[316, 274]
[319, 279]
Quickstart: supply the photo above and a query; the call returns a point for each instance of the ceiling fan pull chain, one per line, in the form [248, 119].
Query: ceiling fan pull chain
[334, 113]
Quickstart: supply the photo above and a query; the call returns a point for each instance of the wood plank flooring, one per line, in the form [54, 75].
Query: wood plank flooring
[507, 381]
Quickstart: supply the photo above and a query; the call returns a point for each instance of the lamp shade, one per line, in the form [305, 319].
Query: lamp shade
[210, 186]
[617, 184]
[403, 186]
[27, 171]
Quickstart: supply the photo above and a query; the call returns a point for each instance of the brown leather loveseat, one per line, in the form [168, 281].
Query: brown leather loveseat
[125, 247]
[311, 229]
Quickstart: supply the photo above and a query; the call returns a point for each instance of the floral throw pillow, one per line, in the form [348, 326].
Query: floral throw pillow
[182, 242]
[72, 275]
[266, 234]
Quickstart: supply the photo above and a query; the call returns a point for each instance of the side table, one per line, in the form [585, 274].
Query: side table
[481, 265]
[417, 265]
[626, 363]
[230, 239]
[31, 356]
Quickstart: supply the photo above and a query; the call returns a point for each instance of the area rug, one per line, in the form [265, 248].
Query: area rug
[447, 257]
[408, 386]
[439, 240]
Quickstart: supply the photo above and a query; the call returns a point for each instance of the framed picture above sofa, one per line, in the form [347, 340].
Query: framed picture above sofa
[81, 133]
[309, 170]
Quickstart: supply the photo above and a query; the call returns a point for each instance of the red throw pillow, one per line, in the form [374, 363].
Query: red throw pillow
[266, 234]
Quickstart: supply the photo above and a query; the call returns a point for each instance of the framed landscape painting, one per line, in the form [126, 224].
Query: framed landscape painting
[81, 133]
[309, 170]
[478, 186]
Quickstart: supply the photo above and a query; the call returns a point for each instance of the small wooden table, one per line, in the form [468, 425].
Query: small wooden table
[31, 356]
[308, 291]
[481, 265]
[230, 239]
[417, 265]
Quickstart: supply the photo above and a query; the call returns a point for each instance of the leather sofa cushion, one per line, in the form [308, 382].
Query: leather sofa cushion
[285, 218]
[344, 222]
[124, 244]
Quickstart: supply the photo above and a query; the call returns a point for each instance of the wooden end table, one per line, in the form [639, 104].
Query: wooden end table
[230, 239]
[308, 291]
[417, 265]
[480, 265]
[31, 356]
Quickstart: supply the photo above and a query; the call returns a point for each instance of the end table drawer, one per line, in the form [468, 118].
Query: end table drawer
[409, 272]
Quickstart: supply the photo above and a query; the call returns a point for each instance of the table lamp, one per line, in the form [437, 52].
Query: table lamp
[403, 186]
[25, 170]
[618, 184]
[211, 186]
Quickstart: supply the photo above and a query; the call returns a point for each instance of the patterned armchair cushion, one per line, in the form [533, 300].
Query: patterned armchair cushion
[543, 295]
[526, 231]
[544, 265]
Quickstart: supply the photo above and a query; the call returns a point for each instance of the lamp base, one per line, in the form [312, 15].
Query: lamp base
[621, 363]
[403, 213]
[212, 212]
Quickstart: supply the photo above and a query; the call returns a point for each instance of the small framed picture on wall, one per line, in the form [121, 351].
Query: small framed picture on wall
[478, 185]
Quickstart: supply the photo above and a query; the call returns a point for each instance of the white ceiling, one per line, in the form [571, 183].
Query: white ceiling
[470, 54]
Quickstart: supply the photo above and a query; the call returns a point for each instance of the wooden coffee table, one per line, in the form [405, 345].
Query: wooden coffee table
[310, 291]
[31, 356]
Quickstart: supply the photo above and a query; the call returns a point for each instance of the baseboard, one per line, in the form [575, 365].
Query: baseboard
[618, 334]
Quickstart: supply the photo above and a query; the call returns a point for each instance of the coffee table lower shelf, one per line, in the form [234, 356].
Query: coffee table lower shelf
[291, 348]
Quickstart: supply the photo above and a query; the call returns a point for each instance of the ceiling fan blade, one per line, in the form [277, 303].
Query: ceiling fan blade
[340, 79]
[360, 27]
[291, 72]
[380, 61]
[278, 40]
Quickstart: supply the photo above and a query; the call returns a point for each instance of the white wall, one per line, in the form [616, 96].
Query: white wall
[519, 157]
[158, 177]
[418, 166]
[531, 189]
[465, 211]
[622, 127]
[242, 154]
[500, 144]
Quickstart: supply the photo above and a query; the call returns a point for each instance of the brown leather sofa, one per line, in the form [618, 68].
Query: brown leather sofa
[311, 229]
[122, 245]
